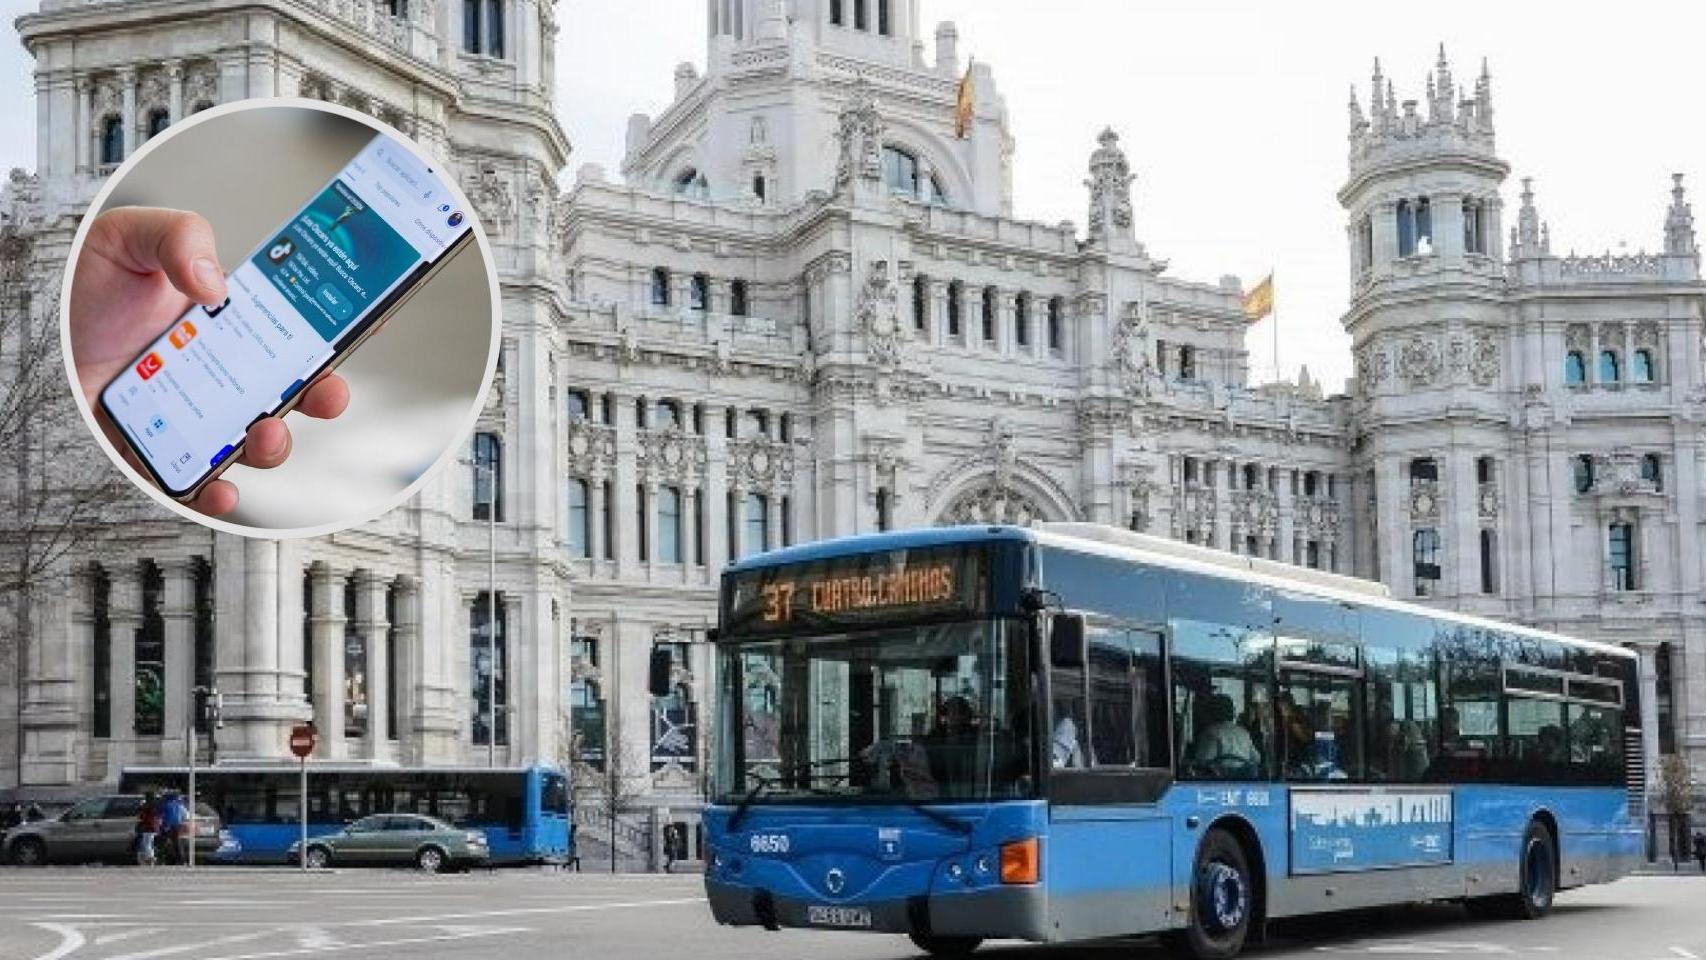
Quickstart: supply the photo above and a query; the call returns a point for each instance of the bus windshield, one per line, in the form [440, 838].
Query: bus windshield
[915, 714]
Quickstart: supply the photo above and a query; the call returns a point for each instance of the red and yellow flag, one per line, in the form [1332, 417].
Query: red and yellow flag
[964, 102]
[1259, 302]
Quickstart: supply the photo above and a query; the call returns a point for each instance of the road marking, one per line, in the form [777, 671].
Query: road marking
[117, 935]
[518, 911]
[1684, 954]
[460, 933]
[186, 947]
[70, 939]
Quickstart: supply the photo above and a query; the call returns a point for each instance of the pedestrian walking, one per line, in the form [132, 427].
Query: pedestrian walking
[1700, 849]
[147, 829]
[173, 821]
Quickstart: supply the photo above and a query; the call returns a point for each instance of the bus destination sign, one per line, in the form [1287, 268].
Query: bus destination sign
[857, 591]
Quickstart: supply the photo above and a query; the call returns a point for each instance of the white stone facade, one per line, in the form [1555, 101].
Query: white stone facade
[807, 311]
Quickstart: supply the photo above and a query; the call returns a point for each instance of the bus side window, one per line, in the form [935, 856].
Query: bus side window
[1402, 696]
[1222, 667]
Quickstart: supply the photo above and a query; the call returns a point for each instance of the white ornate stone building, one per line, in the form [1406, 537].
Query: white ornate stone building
[805, 309]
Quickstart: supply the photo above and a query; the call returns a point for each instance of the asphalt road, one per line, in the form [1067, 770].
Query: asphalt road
[234, 914]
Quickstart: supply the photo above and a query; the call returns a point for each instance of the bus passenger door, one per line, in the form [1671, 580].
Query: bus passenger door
[1107, 861]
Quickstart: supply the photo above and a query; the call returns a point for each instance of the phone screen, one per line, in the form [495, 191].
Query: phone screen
[295, 304]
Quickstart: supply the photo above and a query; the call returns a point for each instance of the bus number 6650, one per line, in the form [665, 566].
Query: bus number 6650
[769, 843]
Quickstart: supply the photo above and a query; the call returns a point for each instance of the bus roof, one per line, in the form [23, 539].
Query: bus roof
[1158, 552]
[291, 766]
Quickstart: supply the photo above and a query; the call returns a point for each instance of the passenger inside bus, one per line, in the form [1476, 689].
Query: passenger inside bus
[1223, 748]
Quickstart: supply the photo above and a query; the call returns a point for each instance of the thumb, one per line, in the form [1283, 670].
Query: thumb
[177, 243]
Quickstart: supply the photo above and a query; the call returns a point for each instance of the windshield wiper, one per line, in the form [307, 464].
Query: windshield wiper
[958, 826]
[746, 801]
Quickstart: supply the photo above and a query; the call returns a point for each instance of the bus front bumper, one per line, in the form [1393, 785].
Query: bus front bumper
[994, 913]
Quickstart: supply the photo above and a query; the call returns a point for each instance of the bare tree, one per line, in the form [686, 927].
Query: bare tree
[611, 784]
[53, 499]
[1676, 795]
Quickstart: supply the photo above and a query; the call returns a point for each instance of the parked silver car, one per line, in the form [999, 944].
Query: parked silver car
[99, 828]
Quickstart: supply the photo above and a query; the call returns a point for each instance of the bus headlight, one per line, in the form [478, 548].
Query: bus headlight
[1021, 861]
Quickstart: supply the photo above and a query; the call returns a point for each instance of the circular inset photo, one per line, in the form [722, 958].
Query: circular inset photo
[272, 324]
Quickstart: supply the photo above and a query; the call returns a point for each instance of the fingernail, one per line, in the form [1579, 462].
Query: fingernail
[208, 274]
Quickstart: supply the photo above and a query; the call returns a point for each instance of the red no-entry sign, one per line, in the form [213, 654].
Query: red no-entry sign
[302, 740]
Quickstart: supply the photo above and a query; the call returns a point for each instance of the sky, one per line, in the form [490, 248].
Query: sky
[1232, 113]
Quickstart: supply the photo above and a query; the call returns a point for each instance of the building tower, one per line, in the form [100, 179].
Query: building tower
[1428, 330]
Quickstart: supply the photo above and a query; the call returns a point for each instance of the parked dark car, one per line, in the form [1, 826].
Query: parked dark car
[397, 839]
[100, 829]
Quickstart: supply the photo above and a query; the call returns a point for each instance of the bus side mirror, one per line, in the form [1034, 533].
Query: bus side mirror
[1066, 641]
[662, 666]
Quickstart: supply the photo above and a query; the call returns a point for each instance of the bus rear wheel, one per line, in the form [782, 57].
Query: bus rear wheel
[945, 947]
[1223, 900]
[1536, 881]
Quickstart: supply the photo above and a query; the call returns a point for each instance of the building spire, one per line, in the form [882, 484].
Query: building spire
[1526, 239]
[1359, 124]
[1484, 100]
[1679, 222]
[1110, 196]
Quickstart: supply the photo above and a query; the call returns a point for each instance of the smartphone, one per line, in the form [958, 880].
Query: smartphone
[299, 305]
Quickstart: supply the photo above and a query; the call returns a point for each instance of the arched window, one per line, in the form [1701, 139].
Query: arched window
[1610, 370]
[759, 188]
[757, 523]
[579, 405]
[660, 287]
[112, 141]
[1652, 471]
[987, 314]
[158, 120]
[955, 292]
[737, 298]
[1425, 555]
[1621, 548]
[488, 477]
[1474, 228]
[885, 510]
[580, 520]
[1406, 229]
[1424, 227]
[699, 292]
[1575, 368]
[1489, 562]
[920, 303]
[666, 415]
[483, 27]
[1187, 363]
[1056, 323]
[1641, 366]
[669, 525]
[1582, 468]
[1022, 319]
[900, 171]
[692, 183]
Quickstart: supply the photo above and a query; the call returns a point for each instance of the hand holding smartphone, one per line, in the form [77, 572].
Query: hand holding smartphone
[300, 304]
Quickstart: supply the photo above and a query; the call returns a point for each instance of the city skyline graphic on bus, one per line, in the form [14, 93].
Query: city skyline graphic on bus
[1356, 831]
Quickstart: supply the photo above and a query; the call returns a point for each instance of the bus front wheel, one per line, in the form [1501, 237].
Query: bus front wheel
[1223, 900]
[944, 947]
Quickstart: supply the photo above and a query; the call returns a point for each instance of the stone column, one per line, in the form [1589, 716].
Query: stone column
[622, 506]
[84, 137]
[370, 610]
[178, 612]
[407, 655]
[1223, 470]
[595, 518]
[737, 523]
[773, 519]
[716, 486]
[936, 315]
[175, 81]
[127, 77]
[1648, 678]
[689, 528]
[326, 627]
[124, 614]
[649, 509]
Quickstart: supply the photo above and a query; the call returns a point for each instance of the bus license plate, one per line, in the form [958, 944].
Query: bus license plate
[838, 916]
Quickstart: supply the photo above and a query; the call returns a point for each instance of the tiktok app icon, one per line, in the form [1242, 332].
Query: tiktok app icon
[149, 365]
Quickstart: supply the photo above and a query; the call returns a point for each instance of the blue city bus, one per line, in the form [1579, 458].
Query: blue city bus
[1076, 732]
[524, 811]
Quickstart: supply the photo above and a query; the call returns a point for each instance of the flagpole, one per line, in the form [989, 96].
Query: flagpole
[1274, 316]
